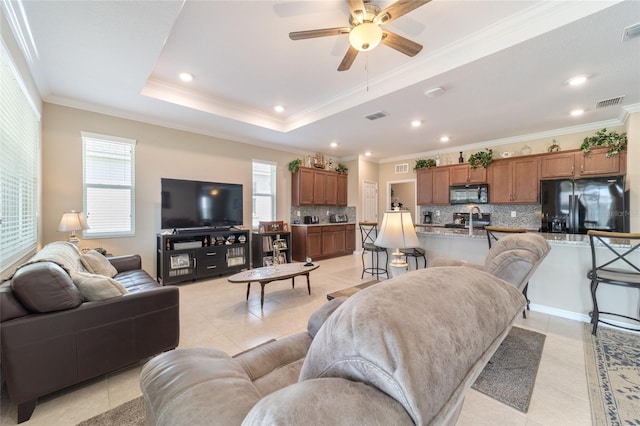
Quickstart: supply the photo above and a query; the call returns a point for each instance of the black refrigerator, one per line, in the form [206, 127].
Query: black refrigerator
[576, 206]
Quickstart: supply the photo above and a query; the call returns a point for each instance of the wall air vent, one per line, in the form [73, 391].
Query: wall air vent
[402, 168]
[609, 102]
[376, 115]
[630, 32]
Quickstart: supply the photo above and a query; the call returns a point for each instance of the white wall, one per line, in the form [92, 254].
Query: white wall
[160, 152]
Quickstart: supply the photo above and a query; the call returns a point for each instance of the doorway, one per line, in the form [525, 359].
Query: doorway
[402, 193]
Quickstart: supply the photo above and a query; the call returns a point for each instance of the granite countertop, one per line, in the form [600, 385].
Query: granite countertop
[579, 240]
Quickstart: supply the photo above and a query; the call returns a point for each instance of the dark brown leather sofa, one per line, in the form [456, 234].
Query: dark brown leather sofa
[51, 338]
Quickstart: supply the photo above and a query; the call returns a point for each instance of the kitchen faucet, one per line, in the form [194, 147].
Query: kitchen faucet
[471, 209]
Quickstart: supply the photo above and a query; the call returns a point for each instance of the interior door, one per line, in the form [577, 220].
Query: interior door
[370, 201]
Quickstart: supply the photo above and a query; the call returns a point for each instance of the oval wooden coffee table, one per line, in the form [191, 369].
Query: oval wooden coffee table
[267, 274]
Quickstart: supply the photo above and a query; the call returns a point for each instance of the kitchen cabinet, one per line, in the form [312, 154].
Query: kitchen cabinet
[342, 189]
[514, 181]
[311, 187]
[464, 174]
[302, 187]
[322, 241]
[432, 185]
[576, 164]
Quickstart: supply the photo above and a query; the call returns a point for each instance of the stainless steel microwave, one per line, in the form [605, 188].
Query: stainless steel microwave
[469, 194]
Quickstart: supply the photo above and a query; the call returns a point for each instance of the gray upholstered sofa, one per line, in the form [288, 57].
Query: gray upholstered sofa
[403, 351]
[61, 322]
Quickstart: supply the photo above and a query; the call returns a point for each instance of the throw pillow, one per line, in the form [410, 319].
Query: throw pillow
[96, 263]
[96, 287]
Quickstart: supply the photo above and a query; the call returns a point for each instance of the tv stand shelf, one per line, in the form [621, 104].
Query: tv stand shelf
[188, 256]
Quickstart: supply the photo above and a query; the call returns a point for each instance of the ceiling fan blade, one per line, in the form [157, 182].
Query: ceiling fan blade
[401, 44]
[301, 35]
[354, 6]
[399, 8]
[348, 59]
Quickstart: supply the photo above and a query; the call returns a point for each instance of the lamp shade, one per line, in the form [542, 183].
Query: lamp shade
[73, 221]
[365, 36]
[397, 230]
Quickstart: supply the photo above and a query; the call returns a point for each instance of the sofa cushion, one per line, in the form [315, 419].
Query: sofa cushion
[45, 287]
[423, 331]
[96, 287]
[96, 263]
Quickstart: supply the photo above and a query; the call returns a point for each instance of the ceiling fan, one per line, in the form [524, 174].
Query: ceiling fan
[365, 30]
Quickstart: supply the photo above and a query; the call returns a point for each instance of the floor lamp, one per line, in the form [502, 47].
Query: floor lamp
[397, 232]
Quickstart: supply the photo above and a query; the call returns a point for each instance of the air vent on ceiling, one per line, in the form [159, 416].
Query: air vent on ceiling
[631, 32]
[376, 115]
[609, 102]
[402, 168]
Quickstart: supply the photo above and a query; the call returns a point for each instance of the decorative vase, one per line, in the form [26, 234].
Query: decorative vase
[461, 158]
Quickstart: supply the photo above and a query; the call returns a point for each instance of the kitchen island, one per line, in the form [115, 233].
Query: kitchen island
[560, 285]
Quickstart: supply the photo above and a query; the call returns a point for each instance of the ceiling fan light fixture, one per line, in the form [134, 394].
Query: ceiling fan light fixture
[365, 36]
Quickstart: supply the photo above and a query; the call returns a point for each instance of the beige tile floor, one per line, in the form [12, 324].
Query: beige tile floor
[215, 313]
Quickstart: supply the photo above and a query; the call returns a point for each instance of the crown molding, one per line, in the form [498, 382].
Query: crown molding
[512, 139]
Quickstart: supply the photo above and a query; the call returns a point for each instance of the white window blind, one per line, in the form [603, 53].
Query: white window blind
[19, 166]
[109, 189]
[264, 192]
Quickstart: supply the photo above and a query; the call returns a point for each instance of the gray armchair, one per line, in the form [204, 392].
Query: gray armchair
[390, 354]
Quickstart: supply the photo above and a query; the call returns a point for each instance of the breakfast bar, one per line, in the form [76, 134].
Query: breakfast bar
[560, 285]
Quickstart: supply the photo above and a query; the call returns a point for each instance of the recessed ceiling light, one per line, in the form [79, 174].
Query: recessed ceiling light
[416, 123]
[435, 92]
[368, 153]
[577, 80]
[185, 76]
[577, 112]
[334, 144]
[444, 139]
[278, 108]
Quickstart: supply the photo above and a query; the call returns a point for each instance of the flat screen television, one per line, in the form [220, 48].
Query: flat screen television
[195, 204]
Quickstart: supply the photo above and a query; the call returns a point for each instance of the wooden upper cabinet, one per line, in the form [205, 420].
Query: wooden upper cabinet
[576, 164]
[302, 187]
[343, 183]
[424, 186]
[463, 174]
[597, 163]
[432, 185]
[514, 181]
[318, 187]
[441, 184]
[557, 165]
[525, 181]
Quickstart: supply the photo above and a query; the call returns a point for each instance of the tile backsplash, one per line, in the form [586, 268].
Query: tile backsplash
[321, 212]
[526, 215]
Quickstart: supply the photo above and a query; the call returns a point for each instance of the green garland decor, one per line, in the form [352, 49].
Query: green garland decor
[616, 142]
[483, 158]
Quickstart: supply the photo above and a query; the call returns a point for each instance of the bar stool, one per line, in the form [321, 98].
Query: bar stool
[414, 252]
[493, 234]
[622, 270]
[369, 233]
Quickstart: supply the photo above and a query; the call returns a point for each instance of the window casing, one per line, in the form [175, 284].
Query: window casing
[264, 192]
[108, 185]
[20, 140]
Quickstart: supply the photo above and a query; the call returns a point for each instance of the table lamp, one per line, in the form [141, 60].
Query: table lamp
[398, 232]
[72, 222]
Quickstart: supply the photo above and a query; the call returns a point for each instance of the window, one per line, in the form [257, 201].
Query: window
[19, 166]
[264, 192]
[108, 185]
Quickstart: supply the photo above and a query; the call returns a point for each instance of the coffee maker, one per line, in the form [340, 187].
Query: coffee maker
[427, 220]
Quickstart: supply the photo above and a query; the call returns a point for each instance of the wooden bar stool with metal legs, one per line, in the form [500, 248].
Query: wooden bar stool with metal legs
[369, 233]
[414, 252]
[614, 261]
[493, 234]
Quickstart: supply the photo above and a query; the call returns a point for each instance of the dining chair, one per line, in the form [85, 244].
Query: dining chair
[615, 260]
